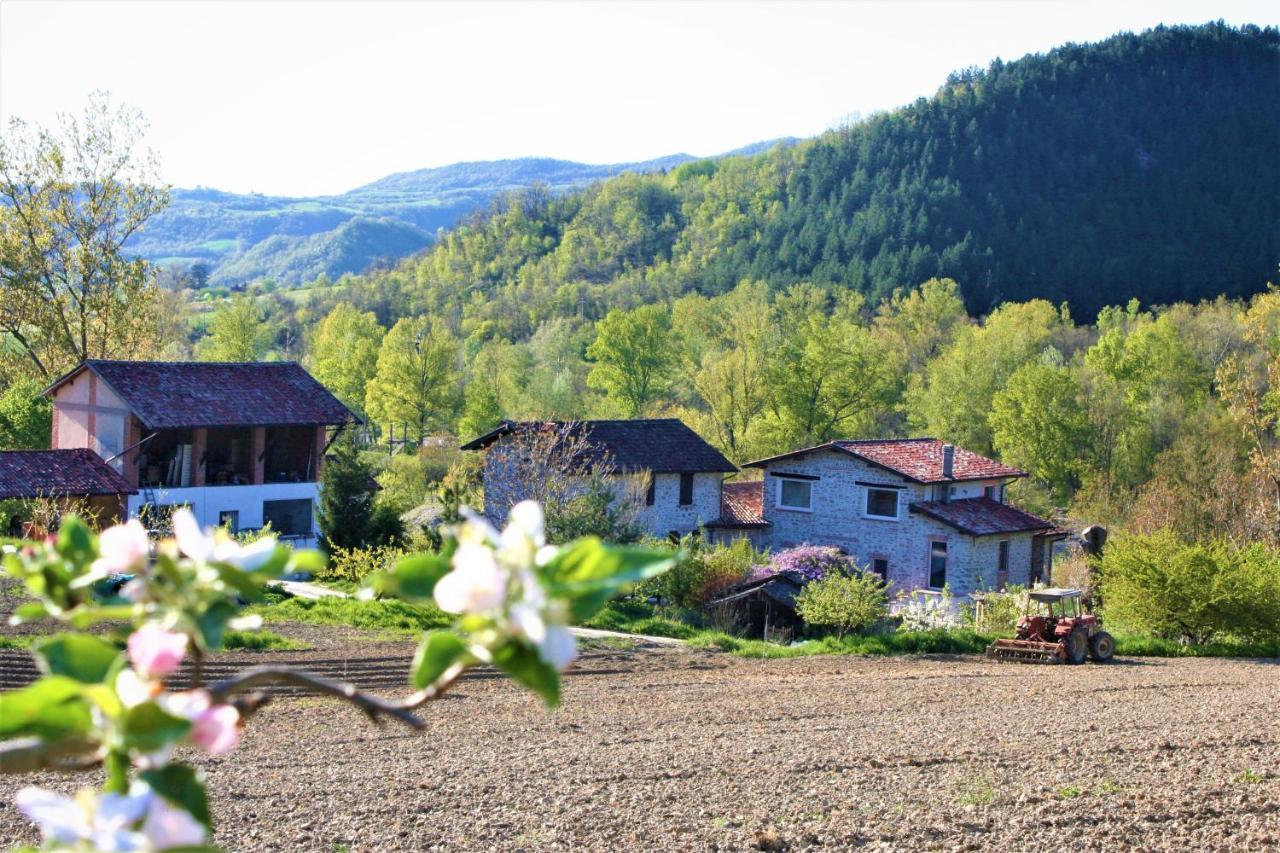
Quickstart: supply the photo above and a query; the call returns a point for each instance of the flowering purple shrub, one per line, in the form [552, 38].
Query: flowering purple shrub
[813, 562]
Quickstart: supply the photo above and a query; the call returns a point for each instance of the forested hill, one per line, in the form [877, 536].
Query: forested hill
[1141, 166]
[242, 237]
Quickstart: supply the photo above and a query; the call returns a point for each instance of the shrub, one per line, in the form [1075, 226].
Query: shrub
[705, 572]
[814, 562]
[843, 603]
[355, 564]
[1164, 587]
[1000, 611]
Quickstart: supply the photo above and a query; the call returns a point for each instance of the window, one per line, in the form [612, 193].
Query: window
[989, 492]
[942, 492]
[230, 519]
[880, 567]
[288, 518]
[649, 492]
[795, 494]
[686, 489]
[937, 565]
[882, 503]
[1002, 564]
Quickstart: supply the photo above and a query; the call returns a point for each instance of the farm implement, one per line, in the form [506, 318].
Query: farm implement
[1054, 629]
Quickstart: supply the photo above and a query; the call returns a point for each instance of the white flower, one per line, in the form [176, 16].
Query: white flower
[249, 557]
[207, 545]
[122, 547]
[133, 689]
[192, 541]
[558, 648]
[102, 820]
[476, 584]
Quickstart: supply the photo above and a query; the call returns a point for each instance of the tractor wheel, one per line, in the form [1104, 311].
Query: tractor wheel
[1077, 645]
[1102, 646]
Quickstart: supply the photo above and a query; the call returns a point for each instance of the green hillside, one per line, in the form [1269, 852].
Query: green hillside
[243, 237]
[1141, 166]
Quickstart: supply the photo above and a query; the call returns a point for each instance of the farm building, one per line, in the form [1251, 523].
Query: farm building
[241, 444]
[676, 475]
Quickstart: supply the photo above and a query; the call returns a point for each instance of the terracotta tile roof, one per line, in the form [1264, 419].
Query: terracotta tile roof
[918, 459]
[660, 445]
[52, 473]
[741, 505]
[177, 395]
[981, 516]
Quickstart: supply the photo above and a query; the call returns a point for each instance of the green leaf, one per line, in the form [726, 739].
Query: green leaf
[51, 708]
[148, 727]
[588, 573]
[438, 651]
[213, 623]
[184, 787]
[416, 576]
[522, 663]
[76, 542]
[308, 561]
[28, 612]
[83, 657]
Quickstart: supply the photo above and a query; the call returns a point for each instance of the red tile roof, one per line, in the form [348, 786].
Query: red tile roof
[741, 505]
[918, 459]
[54, 473]
[981, 516]
[179, 395]
[659, 445]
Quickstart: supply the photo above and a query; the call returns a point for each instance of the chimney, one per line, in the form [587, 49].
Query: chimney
[948, 459]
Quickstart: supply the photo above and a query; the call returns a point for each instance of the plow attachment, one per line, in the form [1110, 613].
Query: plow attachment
[1027, 651]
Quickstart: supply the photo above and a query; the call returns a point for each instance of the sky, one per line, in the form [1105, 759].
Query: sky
[311, 97]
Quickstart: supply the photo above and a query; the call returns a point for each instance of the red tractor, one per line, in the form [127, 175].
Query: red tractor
[1054, 629]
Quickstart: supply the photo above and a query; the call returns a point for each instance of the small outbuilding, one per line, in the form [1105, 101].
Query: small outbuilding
[765, 606]
[70, 477]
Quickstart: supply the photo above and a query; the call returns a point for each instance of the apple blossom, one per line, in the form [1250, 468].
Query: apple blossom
[121, 548]
[476, 585]
[102, 820]
[133, 689]
[155, 652]
[191, 540]
[167, 827]
[214, 728]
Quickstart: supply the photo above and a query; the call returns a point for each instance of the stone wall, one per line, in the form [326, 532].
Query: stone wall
[838, 517]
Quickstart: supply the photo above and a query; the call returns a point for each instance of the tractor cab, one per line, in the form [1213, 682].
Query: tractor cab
[1051, 614]
[1054, 628]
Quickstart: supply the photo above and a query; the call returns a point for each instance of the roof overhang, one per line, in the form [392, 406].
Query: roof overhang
[837, 447]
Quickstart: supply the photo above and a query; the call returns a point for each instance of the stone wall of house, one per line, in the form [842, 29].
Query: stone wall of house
[503, 488]
[666, 516]
[838, 517]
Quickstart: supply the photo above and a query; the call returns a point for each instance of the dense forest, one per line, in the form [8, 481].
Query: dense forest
[1140, 167]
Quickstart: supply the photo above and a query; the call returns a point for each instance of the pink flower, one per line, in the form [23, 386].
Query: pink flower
[156, 652]
[121, 547]
[216, 730]
[167, 826]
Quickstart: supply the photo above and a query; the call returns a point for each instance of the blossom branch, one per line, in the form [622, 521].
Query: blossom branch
[259, 676]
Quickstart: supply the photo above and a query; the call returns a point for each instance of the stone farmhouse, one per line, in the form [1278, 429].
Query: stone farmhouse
[240, 443]
[676, 475]
[920, 513]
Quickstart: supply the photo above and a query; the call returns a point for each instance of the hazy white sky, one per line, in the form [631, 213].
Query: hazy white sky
[310, 97]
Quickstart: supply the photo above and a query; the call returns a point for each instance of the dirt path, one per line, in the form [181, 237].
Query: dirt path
[676, 749]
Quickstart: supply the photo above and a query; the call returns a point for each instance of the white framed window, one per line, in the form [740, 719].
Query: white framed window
[882, 504]
[795, 494]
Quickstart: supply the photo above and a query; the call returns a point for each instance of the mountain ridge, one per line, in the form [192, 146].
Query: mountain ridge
[292, 239]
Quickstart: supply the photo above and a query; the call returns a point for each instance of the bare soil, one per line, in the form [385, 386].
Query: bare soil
[662, 748]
